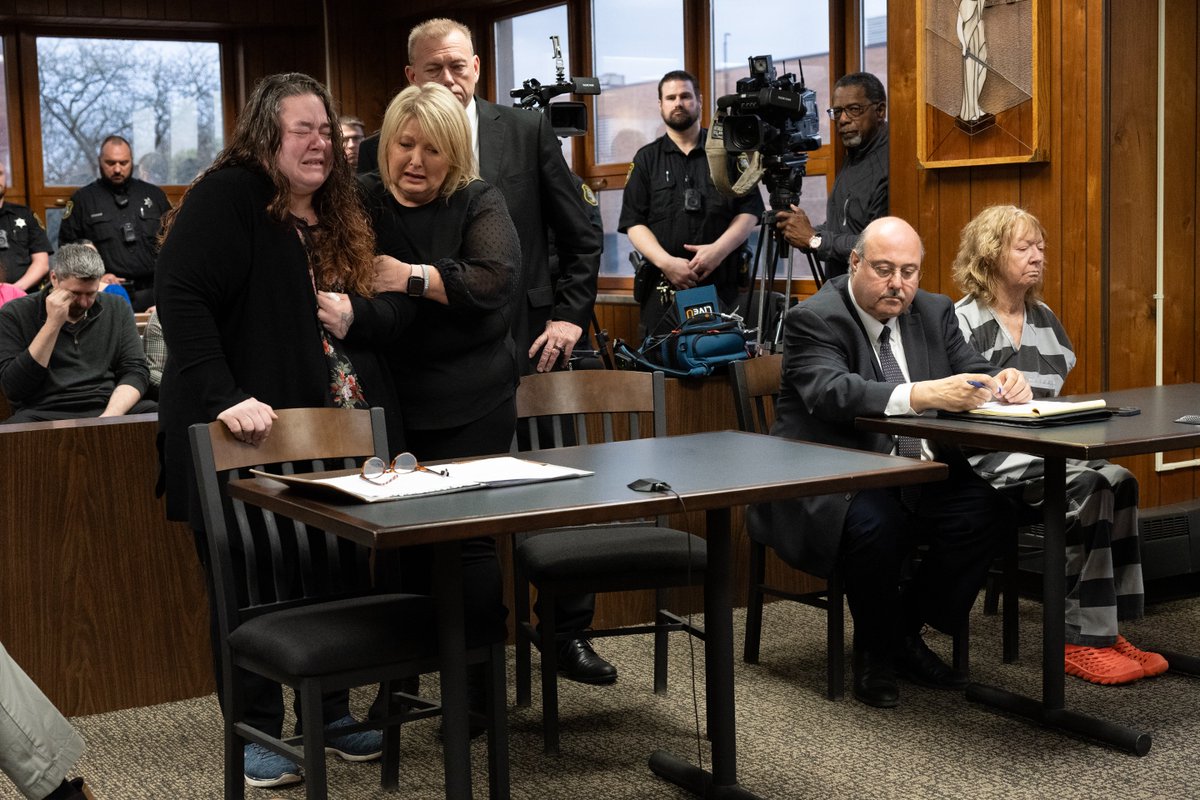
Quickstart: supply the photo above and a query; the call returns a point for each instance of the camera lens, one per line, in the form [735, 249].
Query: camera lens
[743, 133]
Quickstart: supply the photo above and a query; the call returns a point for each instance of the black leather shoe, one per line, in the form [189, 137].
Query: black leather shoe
[579, 662]
[917, 663]
[874, 681]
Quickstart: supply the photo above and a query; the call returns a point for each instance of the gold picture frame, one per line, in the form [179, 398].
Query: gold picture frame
[981, 82]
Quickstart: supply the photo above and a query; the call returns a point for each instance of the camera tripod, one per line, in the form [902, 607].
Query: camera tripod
[768, 252]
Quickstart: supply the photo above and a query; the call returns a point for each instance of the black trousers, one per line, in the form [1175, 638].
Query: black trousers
[483, 584]
[963, 523]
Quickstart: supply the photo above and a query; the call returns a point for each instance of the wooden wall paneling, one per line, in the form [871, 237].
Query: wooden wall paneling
[366, 63]
[620, 319]
[85, 8]
[907, 183]
[1132, 169]
[1053, 190]
[1001, 185]
[1195, 254]
[1094, 24]
[102, 601]
[1180, 240]
[941, 244]
[133, 9]
[1179, 196]
[269, 50]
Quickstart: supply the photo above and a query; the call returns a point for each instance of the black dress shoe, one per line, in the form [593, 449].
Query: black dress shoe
[579, 662]
[874, 681]
[917, 663]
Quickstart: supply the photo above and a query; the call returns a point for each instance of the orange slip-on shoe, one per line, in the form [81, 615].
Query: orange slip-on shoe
[1152, 663]
[1102, 665]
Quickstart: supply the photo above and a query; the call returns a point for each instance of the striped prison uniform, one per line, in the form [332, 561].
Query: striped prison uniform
[1104, 562]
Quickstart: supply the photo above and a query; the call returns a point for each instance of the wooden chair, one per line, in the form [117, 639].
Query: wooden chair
[602, 558]
[306, 616]
[755, 389]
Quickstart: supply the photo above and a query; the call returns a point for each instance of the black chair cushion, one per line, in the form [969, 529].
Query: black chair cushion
[326, 638]
[662, 556]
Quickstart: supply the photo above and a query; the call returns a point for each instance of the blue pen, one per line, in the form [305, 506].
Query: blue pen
[982, 385]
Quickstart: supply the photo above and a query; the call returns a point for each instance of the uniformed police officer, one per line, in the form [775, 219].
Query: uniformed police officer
[120, 215]
[686, 230]
[24, 249]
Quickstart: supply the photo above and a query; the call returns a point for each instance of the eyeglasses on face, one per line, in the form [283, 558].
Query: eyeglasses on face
[853, 111]
[379, 472]
[885, 271]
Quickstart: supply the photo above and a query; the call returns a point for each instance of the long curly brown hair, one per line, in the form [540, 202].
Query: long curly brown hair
[344, 246]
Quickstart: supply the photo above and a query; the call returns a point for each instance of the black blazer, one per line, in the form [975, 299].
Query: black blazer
[520, 155]
[830, 377]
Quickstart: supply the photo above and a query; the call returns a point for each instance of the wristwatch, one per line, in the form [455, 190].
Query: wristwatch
[418, 284]
[815, 242]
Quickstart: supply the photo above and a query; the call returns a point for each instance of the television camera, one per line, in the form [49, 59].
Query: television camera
[567, 117]
[767, 128]
[775, 119]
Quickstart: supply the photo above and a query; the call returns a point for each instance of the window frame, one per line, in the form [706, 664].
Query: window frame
[845, 34]
[26, 180]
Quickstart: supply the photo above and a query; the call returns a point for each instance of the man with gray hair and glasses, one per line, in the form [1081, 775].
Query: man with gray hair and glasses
[70, 351]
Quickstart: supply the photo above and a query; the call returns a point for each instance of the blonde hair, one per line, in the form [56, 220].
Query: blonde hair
[437, 28]
[443, 121]
[983, 243]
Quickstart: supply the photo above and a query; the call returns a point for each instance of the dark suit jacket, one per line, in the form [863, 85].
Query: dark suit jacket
[368, 154]
[520, 155]
[830, 377]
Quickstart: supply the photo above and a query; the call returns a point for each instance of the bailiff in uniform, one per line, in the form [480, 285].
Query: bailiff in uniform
[120, 215]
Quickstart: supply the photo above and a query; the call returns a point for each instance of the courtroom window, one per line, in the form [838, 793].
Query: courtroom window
[524, 51]
[636, 42]
[165, 97]
[873, 38]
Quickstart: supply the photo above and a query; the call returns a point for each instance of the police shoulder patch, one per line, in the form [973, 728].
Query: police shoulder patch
[67, 212]
[589, 196]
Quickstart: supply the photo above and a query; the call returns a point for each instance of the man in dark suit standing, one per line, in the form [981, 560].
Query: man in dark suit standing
[519, 154]
[872, 343]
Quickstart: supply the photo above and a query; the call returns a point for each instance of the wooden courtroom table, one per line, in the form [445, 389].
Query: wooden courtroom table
[708, 472]
[1153, 430]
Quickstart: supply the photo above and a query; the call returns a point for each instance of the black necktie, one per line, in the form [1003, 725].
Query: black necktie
[907, 446]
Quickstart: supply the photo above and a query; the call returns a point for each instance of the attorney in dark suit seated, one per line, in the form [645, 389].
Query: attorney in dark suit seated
[872, 343]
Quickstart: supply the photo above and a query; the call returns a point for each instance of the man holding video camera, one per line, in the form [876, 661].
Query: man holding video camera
[860, 192]
[687, 232]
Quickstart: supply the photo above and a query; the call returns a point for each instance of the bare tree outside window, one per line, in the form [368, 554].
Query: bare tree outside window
[164, 97]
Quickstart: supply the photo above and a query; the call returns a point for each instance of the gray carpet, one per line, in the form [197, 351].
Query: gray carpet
[793, 743]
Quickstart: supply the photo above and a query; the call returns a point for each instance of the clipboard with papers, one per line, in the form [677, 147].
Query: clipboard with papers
[457, 476]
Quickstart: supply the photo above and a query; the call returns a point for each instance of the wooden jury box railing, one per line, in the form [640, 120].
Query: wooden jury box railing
[102, 599]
